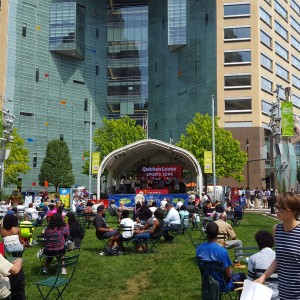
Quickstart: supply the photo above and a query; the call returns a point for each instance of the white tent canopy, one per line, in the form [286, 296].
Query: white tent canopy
[147, 152]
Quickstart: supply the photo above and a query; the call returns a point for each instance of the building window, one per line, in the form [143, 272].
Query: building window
[176, 23]
[265, 16]
[282, 52]
[282, 72]
[37, 74]
[283, 13]
[237, 33]
[296, 100]
[265, 39]
[67, 29]
[295, 43]
[295, 24]
[281, 30]
[265, 107]
[97, 69]
[237, 10]
[296, 81]
[86, 103]
[295, 62]
[268, 1]
[97, 32]
[237, 81]
[266, 85]
[266, 62]
[237, 57]
[34, 163]
[238, 105]
[24, 29]
[61, 137]
[295, 6]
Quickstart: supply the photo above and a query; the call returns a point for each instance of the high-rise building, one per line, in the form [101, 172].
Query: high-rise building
[164, 58]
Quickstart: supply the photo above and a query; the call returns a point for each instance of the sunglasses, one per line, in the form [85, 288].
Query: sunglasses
[280, 209]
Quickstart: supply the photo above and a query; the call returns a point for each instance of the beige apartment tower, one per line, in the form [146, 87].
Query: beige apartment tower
[258, 47]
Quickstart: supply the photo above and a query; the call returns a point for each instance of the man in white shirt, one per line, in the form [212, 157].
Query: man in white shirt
[163, 203]
[139, 198]
[179, 204]
[172, 222]
[32, 214]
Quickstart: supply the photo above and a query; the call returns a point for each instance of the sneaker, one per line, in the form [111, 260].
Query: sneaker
[102, 253]
[63, 271]
[120, 252]
[239, 266]
[45, 270]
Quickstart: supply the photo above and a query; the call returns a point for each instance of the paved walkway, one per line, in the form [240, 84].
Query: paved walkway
[266, 211]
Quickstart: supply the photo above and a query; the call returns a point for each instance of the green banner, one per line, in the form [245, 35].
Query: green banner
[287, 119]
[208, 162]
[95, 162]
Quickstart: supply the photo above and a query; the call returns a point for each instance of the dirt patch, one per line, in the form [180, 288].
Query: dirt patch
[135, 289]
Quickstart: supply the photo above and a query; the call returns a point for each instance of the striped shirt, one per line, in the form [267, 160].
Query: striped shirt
[287, 248]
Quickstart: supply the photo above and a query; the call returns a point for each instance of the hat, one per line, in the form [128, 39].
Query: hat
[100, 207]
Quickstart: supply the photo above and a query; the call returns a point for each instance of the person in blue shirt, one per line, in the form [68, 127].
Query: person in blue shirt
[212, 251]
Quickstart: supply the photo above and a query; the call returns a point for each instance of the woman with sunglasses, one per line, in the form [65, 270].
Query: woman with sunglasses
[287, 247]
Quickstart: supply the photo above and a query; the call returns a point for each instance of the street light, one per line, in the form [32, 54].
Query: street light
[247, 147]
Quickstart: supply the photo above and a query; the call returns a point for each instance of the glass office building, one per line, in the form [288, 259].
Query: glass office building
[164, 59]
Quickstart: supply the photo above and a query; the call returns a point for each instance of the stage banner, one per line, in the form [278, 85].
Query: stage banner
[128, 199]
[161, 171]
[95, 162]
[287, 119]
[208, 162]
[65, 196]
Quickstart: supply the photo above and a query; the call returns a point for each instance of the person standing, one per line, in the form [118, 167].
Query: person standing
[287, 247]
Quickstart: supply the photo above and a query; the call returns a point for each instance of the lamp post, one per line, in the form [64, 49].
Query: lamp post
[91, 140]
[7, 125]
[248, 177]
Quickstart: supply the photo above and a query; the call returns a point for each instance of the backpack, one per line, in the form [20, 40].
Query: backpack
[110, 251]
[210, 288]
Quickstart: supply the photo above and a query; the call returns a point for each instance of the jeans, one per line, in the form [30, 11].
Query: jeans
[171, 227]
[235, 243]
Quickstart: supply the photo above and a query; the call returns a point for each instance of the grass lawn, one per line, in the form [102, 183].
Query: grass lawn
[169, 274]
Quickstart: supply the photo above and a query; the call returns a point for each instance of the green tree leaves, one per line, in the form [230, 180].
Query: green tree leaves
[56, 167]
[17, 162]
[230, 159]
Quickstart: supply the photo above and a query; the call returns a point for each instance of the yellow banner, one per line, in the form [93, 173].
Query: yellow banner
[95, 162]
[208, 162]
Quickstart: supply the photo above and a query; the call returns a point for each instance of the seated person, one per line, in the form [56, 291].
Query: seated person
[89, 213]
[172, 222]
[151, 229]
[103, 231]
[184, 217]
[11, 234]
[76, 232]
[32, 214]
[225, 228]
[153, 207]
[211, 251]
[263, 259]
[114, 206]
[14, 272]
[125, 234]
[120, 209]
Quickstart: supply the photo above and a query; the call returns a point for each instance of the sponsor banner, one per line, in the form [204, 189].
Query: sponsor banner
[161, 171]
[128, 199]
[287, 119]
[64, 195]
[95, 162]
[208, 162]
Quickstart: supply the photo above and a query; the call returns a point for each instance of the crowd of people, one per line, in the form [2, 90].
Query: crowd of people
[281, 265]
[161, 219]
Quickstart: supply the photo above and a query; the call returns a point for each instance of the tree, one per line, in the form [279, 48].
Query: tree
[17, 162]
[230, 159]
[113, 135]
[56, 167]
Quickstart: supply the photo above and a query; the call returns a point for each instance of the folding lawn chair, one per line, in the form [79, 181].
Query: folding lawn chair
[57, 282]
